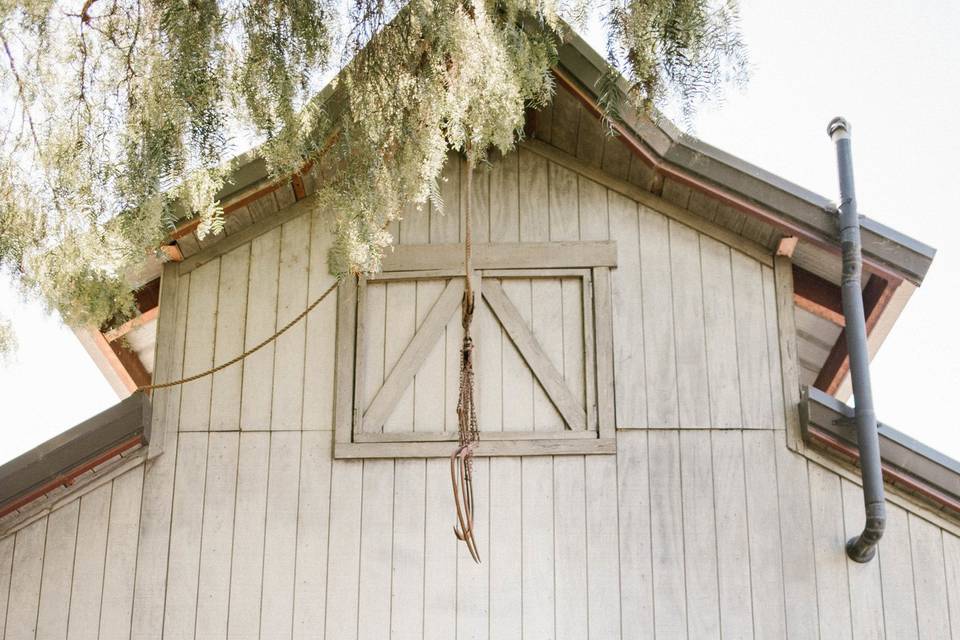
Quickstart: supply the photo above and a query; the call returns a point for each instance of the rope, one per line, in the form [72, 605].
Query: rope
[461, 461]
[280, 332]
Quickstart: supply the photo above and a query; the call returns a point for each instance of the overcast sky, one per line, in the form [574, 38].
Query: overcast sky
[889, 68]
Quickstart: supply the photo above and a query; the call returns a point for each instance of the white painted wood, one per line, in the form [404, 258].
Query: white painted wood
[376, 549]
[897, 576]
[258, 378]
[440, 559]
[288, 366]
[700, 533]
[603, 552]
[280, 537]
[488, 366]
[866, 596]
[520, 386]
[198, 353]
[628, 329]
[226, 384]
[25, 580]
[692, 382]
[505, 199]
[930, 583]
[248, 530]
[733, 565]
[445, 222]
[538, 550]
[179, 620]
[408, 554]
[505, 554]
[570, 546]
[833, 590]
[313, 521]
[320, 349]
[116, 606]
[763, 516]
[480, 210]
[216, 547]
[755, 398]
[61, 538]
[371, 346]
[633, 494]
[796, 536]
[473, 580]
[720, 330]
[343, 564]
[528, 254]
[666, 539]
[6, 573]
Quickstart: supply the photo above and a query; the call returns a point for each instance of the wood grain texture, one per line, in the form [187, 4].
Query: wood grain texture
[61, 539]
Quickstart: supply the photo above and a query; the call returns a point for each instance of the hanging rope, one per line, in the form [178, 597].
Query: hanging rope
[280, 332]
[461, 461]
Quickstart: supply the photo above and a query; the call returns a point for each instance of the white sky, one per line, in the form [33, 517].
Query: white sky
[889, 68]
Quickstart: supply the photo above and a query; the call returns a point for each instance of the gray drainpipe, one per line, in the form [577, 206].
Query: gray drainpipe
[863, 547]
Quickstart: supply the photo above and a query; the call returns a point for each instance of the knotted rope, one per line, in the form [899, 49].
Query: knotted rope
[461, 461]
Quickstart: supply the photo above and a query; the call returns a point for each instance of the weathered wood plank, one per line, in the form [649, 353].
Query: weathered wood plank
[343, 577]
[833, 590]
[506, 539]
[503, 255]
[401, 327]
[440, 563]
[519, 385]
[692, 383]
[25, 580]
[763, 514]
[720, 330]
[534, 197]
[930, 584]
[773, 348]
[484, 448]
[505, 199]
[866, 597]
[226, 385]
[376, 548]
[445, 223]
[321, 344]
[57, 577]
[783, 282]
[603, 553]
[179, 620]
[88, 568]
[409, 509]
[538, 551]
[473, 580]
[700, 533]
[733, 565]
[796, 535]
[6, 573]
[754, 366]
[603, 331]
[346, 334]
[666, 529]
[246, 578]
[216, 547]
[488, 365]
[280, 536]
[570, 533]
[628, 329]
[413, 356]
[896, 576]
[258, 378]
[167, 358]
[292, 289]
[428, 403]
[549, 378]
[116, 606]
[198, 350]
[546, 325]
[310, 589]
[371, 347]
[951, 561]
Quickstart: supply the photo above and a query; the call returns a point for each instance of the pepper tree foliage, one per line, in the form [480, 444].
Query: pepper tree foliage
[118, 115]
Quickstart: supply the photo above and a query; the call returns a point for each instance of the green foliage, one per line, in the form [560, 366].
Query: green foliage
[120, 113]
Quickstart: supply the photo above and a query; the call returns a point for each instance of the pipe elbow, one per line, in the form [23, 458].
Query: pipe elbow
[864, 547]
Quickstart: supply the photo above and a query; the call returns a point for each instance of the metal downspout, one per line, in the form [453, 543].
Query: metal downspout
[863, 547]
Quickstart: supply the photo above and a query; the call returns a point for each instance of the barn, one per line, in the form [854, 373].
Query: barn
[663, 452]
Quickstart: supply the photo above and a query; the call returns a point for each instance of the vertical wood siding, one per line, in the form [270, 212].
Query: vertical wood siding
[702, 525]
